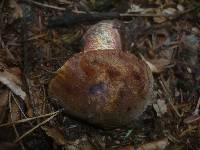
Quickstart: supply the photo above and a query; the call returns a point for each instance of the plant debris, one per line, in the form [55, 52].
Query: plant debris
[13, 82]
[38, 37]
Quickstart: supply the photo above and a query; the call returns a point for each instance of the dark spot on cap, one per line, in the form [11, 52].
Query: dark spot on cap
[99, 88]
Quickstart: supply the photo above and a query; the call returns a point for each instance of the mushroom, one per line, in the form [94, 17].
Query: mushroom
[104, 86]
[105, 35]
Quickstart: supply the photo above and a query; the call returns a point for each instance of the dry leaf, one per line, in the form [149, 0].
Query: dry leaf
[169, 11]
[55, 134]
[12, 82]
[159, 19]
[160, 107]
[160, 64]
[17, 11]
[156, 145]
[156, 65]
[180, 8]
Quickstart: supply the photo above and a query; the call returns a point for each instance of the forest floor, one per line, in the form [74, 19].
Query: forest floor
[33, 45]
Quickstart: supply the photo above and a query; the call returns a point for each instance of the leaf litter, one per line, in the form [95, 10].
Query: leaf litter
[168, 40]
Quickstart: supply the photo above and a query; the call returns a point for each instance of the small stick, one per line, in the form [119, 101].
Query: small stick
[29, 119]
[75, 17]
[37, 126]
[18, 105]
[83, 16]
[175, 109]
[142, 15]
[36, 37]
[43, 5]
[13, 124]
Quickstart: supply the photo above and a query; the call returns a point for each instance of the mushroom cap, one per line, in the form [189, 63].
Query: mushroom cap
[107, 88]
[103, 36]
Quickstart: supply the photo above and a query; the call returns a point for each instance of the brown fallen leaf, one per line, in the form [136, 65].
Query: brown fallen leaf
[160, 64]
[55, 134]
[159, 19]
[156, 65]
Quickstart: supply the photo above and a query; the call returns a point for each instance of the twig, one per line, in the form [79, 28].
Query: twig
[13, 124]
[76, 17]
[175, 109]
[83, 16]
[36, 37]
[44, 99]
[37, 126]
[122, 14]
[43, 5]
[142, 15]
[18, 105]
[29, 119]
[172, 138]
[85, 12]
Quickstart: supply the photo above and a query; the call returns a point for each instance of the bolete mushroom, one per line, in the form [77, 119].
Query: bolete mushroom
[106, 87]
[104, 35]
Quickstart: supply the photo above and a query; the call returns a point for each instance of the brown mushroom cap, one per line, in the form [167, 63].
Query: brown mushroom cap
[108, 88]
